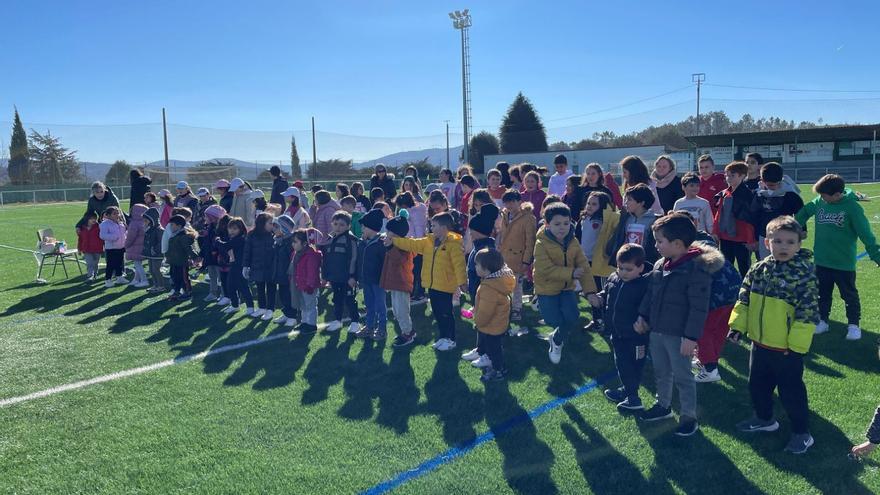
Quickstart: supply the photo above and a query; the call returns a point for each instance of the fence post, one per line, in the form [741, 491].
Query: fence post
[65, 195]
[1, 199]
[35, 197]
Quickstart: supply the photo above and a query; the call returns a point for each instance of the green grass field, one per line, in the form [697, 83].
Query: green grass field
[329, 414]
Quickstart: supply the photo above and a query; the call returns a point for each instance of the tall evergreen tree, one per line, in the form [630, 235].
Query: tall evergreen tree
[481, 145]
[51, 162]
[522, 130]
[295, 169]
[19, 157]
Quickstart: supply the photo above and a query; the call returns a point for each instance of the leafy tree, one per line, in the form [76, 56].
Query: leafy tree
[559, 146]
[586, 144]
[264, 176]
[295, 168]
[50, 162]
[522, 130]
[332, 169]
[118, 174]
[210, 171]
[19, 163]
[425, 168]
[481, 145]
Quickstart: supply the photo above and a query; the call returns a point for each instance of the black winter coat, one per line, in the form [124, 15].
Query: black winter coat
[622, 301]
[282, 248]
[387, 185]
[226, 201]
[259, 257]
[139, 187]
[99, 205]
[340, 258]
[370, 259]
[236, 244]
[279, 185]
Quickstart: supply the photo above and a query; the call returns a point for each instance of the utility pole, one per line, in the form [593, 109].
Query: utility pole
[314, 150]
[447, 146]
[698, 78]
[165, 137]
[461, 20]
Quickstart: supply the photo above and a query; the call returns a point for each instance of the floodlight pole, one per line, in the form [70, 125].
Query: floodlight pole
[461, 20]
[165, 137]
[447, 145]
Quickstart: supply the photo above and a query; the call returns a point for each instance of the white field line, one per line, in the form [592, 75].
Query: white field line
[144, 369]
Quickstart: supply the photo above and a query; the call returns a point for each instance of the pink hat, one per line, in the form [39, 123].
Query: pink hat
[221, 183]
[215, 212]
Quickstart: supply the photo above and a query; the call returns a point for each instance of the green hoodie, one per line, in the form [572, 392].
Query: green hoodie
[838, 225]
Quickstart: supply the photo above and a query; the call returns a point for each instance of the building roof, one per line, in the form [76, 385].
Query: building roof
[807, 135]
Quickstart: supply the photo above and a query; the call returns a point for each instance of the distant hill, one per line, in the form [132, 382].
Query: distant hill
[436, 156]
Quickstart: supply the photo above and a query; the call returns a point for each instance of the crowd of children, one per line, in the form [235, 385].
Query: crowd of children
[662, 286]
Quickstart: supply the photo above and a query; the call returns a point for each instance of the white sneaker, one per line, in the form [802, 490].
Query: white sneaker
[696, 364]
[224, 301]
[290, 322]
[209, 298]
[471, 355]
[853, 332]
[821, 327]
[230, 309]
[355, 327]
[334, 326]
[444, 345]
[708, 376]
[133, 281]
[281, 320]
[248, 311]
[482, 362]
[142, 284]
[108, 283]
[172, 292]
[267, 315]
[121, 281]
[257, 313]
[555, 350]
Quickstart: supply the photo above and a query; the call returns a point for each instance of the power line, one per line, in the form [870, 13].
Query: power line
[796, 90]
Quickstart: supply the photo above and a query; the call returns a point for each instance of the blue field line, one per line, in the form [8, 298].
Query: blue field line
[465, 448]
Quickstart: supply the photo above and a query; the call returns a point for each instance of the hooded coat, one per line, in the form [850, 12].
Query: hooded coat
[152, 235]
[134, 237]
[555, 262]
[517, 238]
[492, 305]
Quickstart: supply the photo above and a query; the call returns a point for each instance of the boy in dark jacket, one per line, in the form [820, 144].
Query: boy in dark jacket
[675, 309]
[733, 220]
[339, 267]
[480, 226]
[773, 199]
[258, 264]
[370, 260]
[180, 252]
[621, 296]
[153, 249]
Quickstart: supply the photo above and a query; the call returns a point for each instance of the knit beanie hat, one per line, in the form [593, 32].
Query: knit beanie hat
[373, 220]
[484, 221]
[286, 224]
[215, 212]
[398, 225]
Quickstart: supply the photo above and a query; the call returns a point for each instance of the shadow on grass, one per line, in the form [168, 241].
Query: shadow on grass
[57, 298]
[859, 355]
[449, 398]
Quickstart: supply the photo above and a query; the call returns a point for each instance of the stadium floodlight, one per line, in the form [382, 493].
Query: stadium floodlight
[461, 20]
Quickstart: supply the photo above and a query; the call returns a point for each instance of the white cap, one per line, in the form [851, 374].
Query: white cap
[292, 191]
[257, 194]
[203, 191]
[235, 184]
[163, 193]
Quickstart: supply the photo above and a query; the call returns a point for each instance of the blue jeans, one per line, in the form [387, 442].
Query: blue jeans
[374, 300]
[560, 312]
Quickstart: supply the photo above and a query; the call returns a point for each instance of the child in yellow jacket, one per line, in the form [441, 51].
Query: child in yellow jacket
[559, 265]
[443, 270]
[492, 309]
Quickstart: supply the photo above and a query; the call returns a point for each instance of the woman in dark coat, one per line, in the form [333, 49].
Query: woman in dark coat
[102, 198]
[140, 185]
[383, 180]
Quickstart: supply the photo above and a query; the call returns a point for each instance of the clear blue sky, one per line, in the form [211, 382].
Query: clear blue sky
[391, 70]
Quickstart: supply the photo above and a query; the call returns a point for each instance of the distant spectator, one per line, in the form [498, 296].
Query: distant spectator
[279, 185]
[140, 185]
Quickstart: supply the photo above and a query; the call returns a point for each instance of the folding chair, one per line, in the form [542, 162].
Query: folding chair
[68, 254]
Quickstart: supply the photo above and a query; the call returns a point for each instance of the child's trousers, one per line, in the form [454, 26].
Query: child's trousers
[92, 260]
[307, 304]
[715, 332]
[492, 346]
[769, 370]
[441, 306]
[115, 263]
[214, 276]
[737, 253]
[629, 358]
[343, 297]
[374, 300]
[400, 308]
[846, 284]
[671, 368]
[180, 279]
[139, 274]
[156, 272]
[238, 289]
[560, 312]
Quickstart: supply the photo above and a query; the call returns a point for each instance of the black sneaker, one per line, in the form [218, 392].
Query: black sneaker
[656, 413]
[630, 405]
[492, 375]
[306, 329]
[404, 339]
[364, 333]
[595, 326]
[184, 296]
[686, 427]
[379, 335]
[615, 395]
[755, 424]
[799, 443]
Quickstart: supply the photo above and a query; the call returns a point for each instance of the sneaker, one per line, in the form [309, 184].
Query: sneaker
[210, 297]
[482, 362]
[516, 315]
[155, 290]
[184, 296]
[798, 444]
[333, 326]
[230, 309]
[172, 292]
[404, 339]
[708, 376]
[379, 335]
[696, 364]
[249, 311]
[755, 424]
[821, 327]
[141, 284]
[615, 395]
[517, 331]
[687, 426]
[555, 351]
[595, 326]
[444, 345]
[267, 315]
[258, 313]
[109, 283]
[224, 301]
[354, 327]
[364, 333]
[492, 375]
[853, 332]
[306, 329]
[281, 320]
[289, 322]
[471, 355]
[630, 405]
[656, 413]
[172, 298]
[122, 281]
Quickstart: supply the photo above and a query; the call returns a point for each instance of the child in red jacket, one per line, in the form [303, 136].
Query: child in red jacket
[305, 280]
[89, 243]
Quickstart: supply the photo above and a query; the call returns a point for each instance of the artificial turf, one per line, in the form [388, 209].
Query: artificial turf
[331, 414]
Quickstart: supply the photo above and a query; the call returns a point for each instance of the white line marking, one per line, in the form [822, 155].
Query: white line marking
[144, 369]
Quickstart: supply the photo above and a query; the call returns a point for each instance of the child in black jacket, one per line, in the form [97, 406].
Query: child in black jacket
[621, 296]
[339, 267]
[236, 283]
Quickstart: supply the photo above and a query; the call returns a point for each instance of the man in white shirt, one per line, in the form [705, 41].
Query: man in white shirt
[557, 180]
